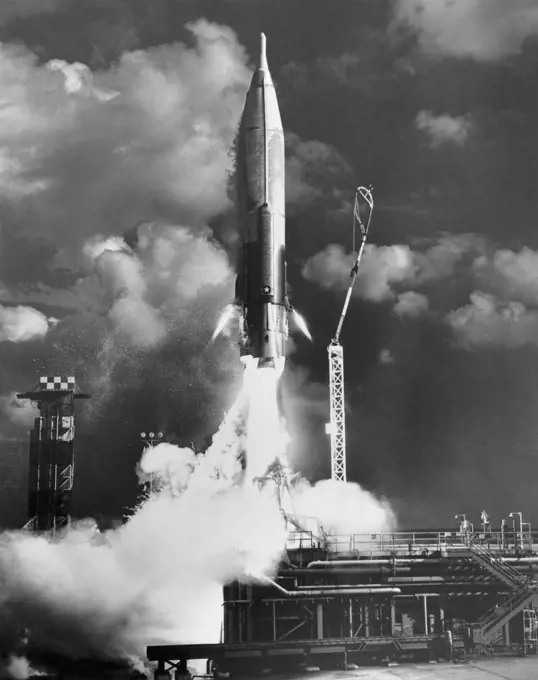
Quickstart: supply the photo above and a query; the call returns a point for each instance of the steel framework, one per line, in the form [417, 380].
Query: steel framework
[363, 597]
[52, 453]
[336, 428]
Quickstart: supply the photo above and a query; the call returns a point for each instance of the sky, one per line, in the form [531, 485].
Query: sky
[118, 236]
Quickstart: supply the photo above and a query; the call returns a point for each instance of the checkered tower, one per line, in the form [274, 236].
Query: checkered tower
[52, 452]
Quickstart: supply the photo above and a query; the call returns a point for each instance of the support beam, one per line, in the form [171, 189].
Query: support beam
[426, 622]
[320, 621]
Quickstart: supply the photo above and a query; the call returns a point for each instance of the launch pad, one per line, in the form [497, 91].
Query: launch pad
[359, 599]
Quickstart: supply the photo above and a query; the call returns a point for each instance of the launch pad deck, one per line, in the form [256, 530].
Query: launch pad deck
[306, 649]
[360, 598]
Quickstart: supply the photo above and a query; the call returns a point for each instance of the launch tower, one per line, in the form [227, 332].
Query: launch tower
[52, 453]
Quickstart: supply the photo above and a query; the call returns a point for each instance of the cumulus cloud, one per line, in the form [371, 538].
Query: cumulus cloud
[488, 321]
[381, 268]
[385, 270]
[469, 28]
[137, 305]
[20, 323]
[510, 275]
[411, 304]
[443, 129]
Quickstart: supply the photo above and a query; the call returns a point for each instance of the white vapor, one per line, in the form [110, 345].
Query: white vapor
[19, 668]
[21, 412]
[443, 129]
[342, 508]
[21, 323]
[158, 578]
[481, 29]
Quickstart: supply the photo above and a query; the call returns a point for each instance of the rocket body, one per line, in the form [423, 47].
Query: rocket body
[261, 287]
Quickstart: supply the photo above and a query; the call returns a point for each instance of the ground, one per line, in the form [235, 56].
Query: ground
[507, 668]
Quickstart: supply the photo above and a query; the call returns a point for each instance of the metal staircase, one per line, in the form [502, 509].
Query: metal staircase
[491, 622]
[504, 572]
[524, 591]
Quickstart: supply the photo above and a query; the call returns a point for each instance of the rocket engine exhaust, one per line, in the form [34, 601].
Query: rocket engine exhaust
[261, 286]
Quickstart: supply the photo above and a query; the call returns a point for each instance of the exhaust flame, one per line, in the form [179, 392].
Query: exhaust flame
[301, 324]
[266, 437]
[228, 313]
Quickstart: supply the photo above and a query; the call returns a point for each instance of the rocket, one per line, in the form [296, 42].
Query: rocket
[261, 286]
[261, 295]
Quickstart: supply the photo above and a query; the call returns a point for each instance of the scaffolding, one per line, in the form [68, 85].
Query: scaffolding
[336, 427]
[52, 453]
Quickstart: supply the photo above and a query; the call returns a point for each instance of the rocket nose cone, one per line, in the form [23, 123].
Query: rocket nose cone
[263, 52]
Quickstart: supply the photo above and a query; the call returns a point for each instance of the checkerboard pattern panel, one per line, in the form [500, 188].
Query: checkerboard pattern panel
[57, 383]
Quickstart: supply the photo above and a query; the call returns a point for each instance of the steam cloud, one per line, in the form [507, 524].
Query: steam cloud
[84, 158]
[158, 578]
[18, 324]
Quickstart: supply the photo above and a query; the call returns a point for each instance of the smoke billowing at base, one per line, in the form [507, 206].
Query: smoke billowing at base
[158, 578]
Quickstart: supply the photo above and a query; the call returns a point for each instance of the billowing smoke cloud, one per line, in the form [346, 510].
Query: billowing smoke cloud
[19, 324]
[443, 129]
[157, 149]
[159, 576]
[469, 28]
[20, 412]
[342, 509]
[79, 79]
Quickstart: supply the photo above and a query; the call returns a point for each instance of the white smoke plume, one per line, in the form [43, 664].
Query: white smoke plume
[342, 508]
[20, 412]
[21, 323]
[19, 668]
[481, 30]
[159, 576]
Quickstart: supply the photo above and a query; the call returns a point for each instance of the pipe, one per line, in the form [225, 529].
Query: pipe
[331, 591]
[343, 586]
[344, 563]
[341, 570]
